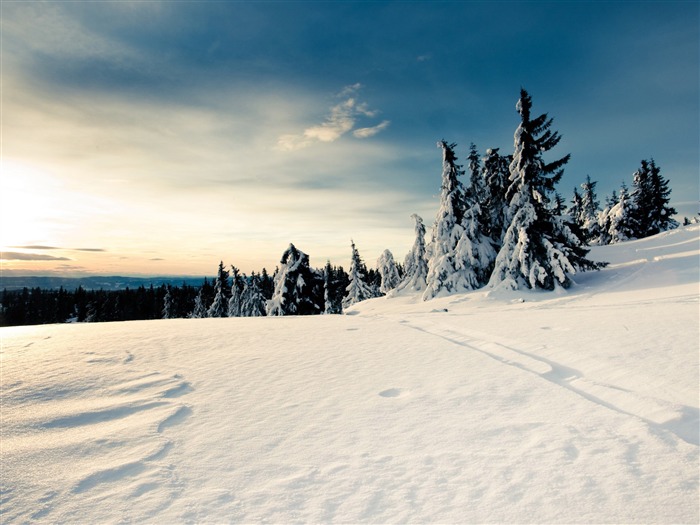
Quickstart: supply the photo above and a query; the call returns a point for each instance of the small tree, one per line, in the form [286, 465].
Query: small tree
[588, 217]
[415, 264]
[200, 310]
[651, 195]
[620, 219]
[168, 306]
[234, 302]
[218, 307]
[388, 271]
[298, 289]
[358, 290]
[252, 299]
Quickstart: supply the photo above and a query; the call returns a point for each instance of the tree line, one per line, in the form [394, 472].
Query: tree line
[500, 223]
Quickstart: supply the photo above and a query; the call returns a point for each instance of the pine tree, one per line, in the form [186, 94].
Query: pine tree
[234, 302]
[218, 307]
[651, 195]
[576, 207]
[332, 302]
[539, 250]
[620, 219]
[388, 271]
[168, 306]
[358, 290]
[460, 254]
[590, 207]
[477, 187]
[415, 263]
[252, 299]
[298, 288]
[495, 205]
[200, 310]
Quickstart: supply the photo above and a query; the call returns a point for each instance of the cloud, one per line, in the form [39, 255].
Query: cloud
[18, 256]
[42, 247]
[341, 119]
[363, 133]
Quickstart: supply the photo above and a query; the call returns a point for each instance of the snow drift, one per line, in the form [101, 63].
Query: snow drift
[576, 406]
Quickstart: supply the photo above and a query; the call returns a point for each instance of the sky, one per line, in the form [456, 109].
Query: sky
[159, 138]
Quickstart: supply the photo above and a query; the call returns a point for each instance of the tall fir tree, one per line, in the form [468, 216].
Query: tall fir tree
[358, 290]
[539, 250]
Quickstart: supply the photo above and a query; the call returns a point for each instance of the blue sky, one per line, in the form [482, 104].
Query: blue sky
[161, 137]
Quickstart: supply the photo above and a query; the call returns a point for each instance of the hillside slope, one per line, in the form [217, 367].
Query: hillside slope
[579, 406]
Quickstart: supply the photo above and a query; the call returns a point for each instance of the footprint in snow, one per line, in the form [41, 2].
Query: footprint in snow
[394, 392]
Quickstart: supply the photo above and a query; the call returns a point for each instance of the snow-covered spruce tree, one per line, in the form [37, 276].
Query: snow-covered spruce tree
[620, 219]
[386, 266]
[252, 299]
[199, 311]
[651, 195]
[539, 250]
[495, 208]
[219, 308]
[234, 302]
[415, 263]
[331, 302]
[476, 191]
[298, 288]
[590, 207]
[358, 290]
[460, 255]
[168, 307]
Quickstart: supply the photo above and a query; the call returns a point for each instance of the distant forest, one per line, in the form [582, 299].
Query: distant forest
[500, 223]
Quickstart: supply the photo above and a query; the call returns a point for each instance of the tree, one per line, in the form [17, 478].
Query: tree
[651, 195]
[234, 302]
[298, 288]
[415, 264]
[460, 254]
[539, 250]
[495, 206]
[200, 310]
[588, 217]
[218, 307]
[388, 272]
[620, 220]
[358, 290]
[252, 298]
[168, 306]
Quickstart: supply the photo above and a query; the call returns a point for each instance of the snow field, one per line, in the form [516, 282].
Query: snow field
[577, 407]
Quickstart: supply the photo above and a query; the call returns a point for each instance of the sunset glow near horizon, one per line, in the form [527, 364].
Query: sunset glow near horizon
[158, 138]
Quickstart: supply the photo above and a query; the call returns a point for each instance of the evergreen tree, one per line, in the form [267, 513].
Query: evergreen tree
[252, 299]
[234, 302]
[495, 205]
[651, 195]
[415, 263]
[358, 290]
[200, 310]
[388, 271]
[168, 306]
[477, 187]
[539, 250]
[559, 205]
[576, 207]
[218, 307]
[331, 298]
[590, 207]
[460, 254]
[298, 288]
[620, 219]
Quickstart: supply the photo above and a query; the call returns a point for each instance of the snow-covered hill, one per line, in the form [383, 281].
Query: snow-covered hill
[579, 406]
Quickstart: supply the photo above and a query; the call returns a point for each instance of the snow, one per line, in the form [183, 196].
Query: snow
[573, 406]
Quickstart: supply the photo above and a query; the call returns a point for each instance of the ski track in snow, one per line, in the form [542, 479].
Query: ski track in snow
[685, 422]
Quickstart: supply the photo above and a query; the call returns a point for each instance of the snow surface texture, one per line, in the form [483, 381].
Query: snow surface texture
[575, 406]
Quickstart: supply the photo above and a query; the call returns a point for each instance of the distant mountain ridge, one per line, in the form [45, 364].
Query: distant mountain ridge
[114, 282]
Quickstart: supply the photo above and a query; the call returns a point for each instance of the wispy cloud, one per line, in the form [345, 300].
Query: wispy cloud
[19, 256]
[341, 119]
[363, 133]
[42, 247]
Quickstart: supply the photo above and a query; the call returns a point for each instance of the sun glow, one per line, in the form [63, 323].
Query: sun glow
[29, 205]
